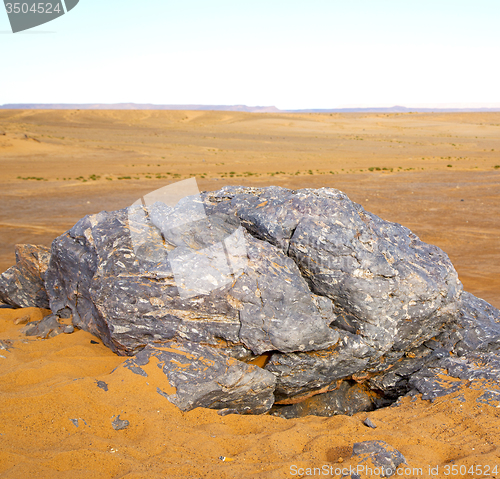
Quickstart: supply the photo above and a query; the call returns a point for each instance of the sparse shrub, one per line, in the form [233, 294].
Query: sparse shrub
[449, 166]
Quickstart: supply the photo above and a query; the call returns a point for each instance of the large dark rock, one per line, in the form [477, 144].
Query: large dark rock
[22, 285]
[199, 376]
[130, 296]
[386, 285]
[349, 310]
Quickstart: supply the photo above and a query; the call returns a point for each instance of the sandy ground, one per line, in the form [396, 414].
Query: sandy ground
[58, 166]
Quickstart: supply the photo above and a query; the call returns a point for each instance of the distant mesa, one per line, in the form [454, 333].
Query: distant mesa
[242, 108]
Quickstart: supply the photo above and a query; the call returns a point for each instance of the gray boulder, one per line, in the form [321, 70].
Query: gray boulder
[350, 310]
[386, 285]
[22, 285]
[130, 297]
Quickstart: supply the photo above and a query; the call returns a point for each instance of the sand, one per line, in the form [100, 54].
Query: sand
[45, 384]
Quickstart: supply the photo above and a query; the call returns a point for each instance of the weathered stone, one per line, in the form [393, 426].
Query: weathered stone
[387, 286]
[301, 372]
[199, 376]
[481, 369]
[348, 399]
[22, 285]
[475, 329]
[352, 311]
[118, 293]
[103, 385]
[381, 454]
[369, 423]
[48, 327]
[277, 311]
[68, 329]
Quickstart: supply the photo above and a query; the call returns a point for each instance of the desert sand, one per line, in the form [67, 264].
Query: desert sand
[438, 174]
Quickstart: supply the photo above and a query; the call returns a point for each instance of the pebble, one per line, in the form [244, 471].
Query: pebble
[119, 424]
[102, 385]
[368, 422]
[68, 329]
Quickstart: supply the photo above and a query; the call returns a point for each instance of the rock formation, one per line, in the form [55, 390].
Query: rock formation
[339, 310]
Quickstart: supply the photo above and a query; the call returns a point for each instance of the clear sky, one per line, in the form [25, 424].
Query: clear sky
[291, 54]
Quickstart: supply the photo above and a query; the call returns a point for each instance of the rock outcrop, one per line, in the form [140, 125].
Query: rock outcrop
[341, 310]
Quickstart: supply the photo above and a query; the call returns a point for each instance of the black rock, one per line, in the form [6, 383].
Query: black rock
[116, 291]
[102, 385]
[22, 285]
[386, 285]
[351, 310]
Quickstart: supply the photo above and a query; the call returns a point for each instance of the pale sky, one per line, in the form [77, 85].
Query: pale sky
[290, 54]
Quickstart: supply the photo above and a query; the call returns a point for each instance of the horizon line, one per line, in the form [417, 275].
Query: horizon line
[446, 107]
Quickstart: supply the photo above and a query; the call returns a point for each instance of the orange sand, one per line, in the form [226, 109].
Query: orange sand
[45, 383]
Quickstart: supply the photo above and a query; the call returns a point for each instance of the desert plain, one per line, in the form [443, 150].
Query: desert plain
[436, 173]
